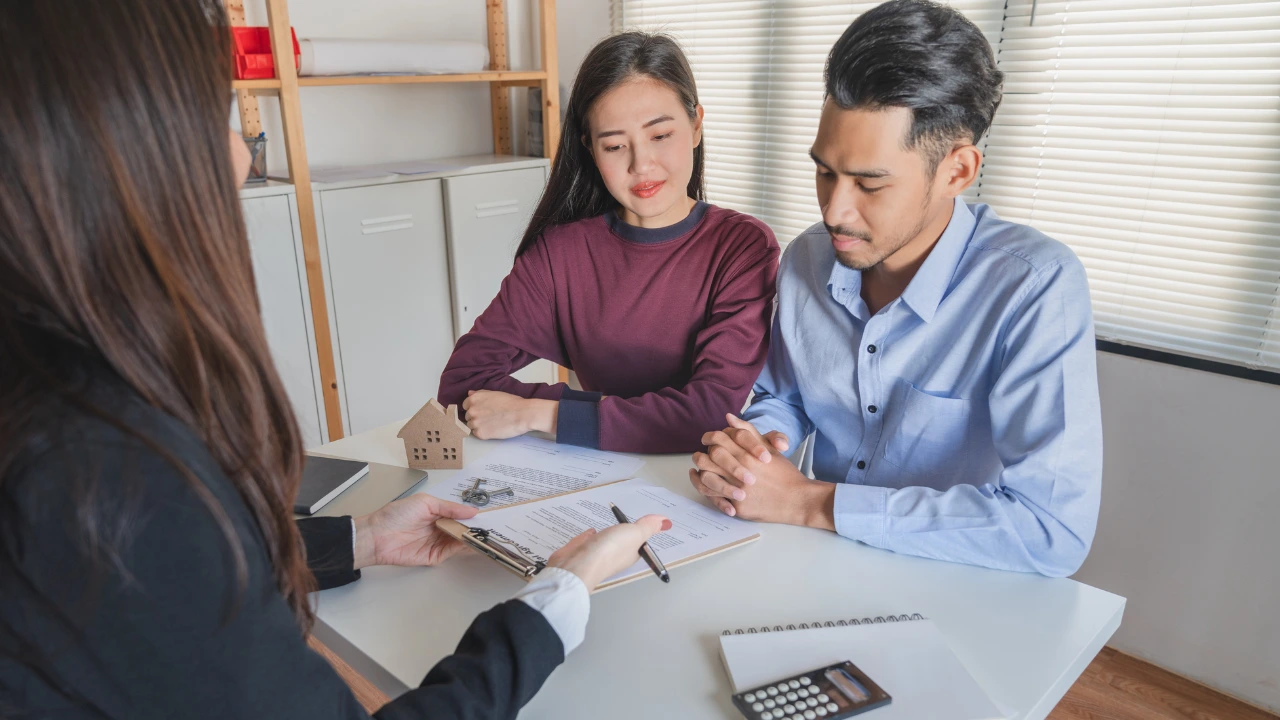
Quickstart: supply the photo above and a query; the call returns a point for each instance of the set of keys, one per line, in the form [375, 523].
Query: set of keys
[480, 498]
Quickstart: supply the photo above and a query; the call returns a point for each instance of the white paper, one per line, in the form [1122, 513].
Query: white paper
[546, 526]
[909, 660]
[536, 468]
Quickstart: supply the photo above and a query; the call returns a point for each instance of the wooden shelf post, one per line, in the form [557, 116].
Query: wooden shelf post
[246, 102]
[499, 94]
[551, 83]
[295, 147]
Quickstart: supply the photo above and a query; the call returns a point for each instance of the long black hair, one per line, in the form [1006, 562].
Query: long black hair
[576, 191]
[124, 262]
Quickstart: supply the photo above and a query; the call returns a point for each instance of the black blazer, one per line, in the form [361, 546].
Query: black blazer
[164, 630]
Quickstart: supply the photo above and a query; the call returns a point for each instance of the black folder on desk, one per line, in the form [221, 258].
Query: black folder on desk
[323, 479]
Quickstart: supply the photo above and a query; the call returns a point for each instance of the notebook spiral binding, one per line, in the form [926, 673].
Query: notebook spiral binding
[879, 619]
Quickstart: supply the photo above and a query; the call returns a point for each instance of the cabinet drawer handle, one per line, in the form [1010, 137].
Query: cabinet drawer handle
[387, 219]
[386, 224]
[502, 207]
[386, 228]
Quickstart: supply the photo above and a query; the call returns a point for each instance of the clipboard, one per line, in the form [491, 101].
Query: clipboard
[510, 554]
[521, 561]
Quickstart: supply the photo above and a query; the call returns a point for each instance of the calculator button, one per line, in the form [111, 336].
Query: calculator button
[822, 697]
[750, 697]
[757, 706]
[802, 693]
[832, 707]
[810, 715]
[792, 696]
[769, 704]
[772, 691]
[805, 681]
[821, 710]
[813, 702]
[794, 684]
[766, 715]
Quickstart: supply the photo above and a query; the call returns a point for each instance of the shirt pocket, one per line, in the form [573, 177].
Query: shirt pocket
[927, 435]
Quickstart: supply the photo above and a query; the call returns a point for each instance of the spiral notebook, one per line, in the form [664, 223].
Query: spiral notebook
[904, 654]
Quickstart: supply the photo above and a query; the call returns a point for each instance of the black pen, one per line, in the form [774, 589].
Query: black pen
[646, 552]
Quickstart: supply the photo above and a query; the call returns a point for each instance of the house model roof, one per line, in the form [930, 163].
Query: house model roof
[433, 415]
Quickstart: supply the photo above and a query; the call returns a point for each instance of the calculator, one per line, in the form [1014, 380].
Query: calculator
[830, 693]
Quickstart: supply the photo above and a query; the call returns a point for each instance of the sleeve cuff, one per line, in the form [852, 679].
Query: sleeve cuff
[330, 549]
[861, 512]
[578, 419]
[543, 391]
[563, 600]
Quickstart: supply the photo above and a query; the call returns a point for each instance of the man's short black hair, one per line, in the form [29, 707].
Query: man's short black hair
[923, 56]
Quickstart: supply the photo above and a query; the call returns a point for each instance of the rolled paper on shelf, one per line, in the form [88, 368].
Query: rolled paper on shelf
[391, 57]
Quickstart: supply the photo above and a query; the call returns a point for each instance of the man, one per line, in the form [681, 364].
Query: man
[943, 358]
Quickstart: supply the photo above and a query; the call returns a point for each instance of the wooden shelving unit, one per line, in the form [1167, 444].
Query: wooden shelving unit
[286, 85]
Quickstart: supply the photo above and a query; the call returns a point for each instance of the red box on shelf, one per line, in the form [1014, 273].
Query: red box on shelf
[253, 52]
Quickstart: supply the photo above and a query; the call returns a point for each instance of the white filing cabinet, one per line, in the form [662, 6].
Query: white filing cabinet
[271, 217]
[488, 214]
[409, 263]
[388, 275]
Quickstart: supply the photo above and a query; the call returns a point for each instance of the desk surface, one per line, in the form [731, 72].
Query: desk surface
[652, 650]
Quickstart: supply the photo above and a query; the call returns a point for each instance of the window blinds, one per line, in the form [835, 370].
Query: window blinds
[1143, 133]
[1146, 135]
[759, 65]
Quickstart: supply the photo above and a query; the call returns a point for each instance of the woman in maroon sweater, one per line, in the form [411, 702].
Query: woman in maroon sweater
[660, 302]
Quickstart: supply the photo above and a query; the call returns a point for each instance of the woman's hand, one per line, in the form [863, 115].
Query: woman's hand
[494, 415]
[404, 532]
[594, 556]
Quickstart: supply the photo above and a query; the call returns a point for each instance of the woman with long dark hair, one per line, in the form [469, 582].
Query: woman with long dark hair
[659, 301]
[149, 563]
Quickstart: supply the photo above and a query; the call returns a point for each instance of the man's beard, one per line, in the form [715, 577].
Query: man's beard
[880, 250]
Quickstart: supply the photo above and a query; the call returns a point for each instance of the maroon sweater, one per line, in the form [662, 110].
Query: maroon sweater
[666, 328]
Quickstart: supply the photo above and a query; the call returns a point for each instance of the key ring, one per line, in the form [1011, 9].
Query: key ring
[479, 498]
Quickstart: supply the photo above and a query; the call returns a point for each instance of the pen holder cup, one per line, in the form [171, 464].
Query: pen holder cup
[258, 159]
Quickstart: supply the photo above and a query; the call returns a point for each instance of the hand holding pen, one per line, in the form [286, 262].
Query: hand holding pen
[594, 556]
[646, 552]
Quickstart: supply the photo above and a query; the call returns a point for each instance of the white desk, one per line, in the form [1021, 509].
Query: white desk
[652, 650]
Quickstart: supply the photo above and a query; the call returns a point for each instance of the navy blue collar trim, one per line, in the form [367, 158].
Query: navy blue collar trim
[655, 235]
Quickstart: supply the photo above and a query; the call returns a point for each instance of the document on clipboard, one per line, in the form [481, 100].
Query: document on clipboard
[521, 537]
[533, 469]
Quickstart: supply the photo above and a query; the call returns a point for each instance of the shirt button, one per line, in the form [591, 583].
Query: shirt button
[871, 409]
[871, 349]
[862, 464]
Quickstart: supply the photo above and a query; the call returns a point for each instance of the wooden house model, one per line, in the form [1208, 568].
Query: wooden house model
[433, 437]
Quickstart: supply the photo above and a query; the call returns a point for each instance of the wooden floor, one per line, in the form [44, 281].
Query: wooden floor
[1115, 686]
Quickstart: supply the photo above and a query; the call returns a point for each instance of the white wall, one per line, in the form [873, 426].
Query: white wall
[582, 23]
[1188, 530]
[369, 124]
